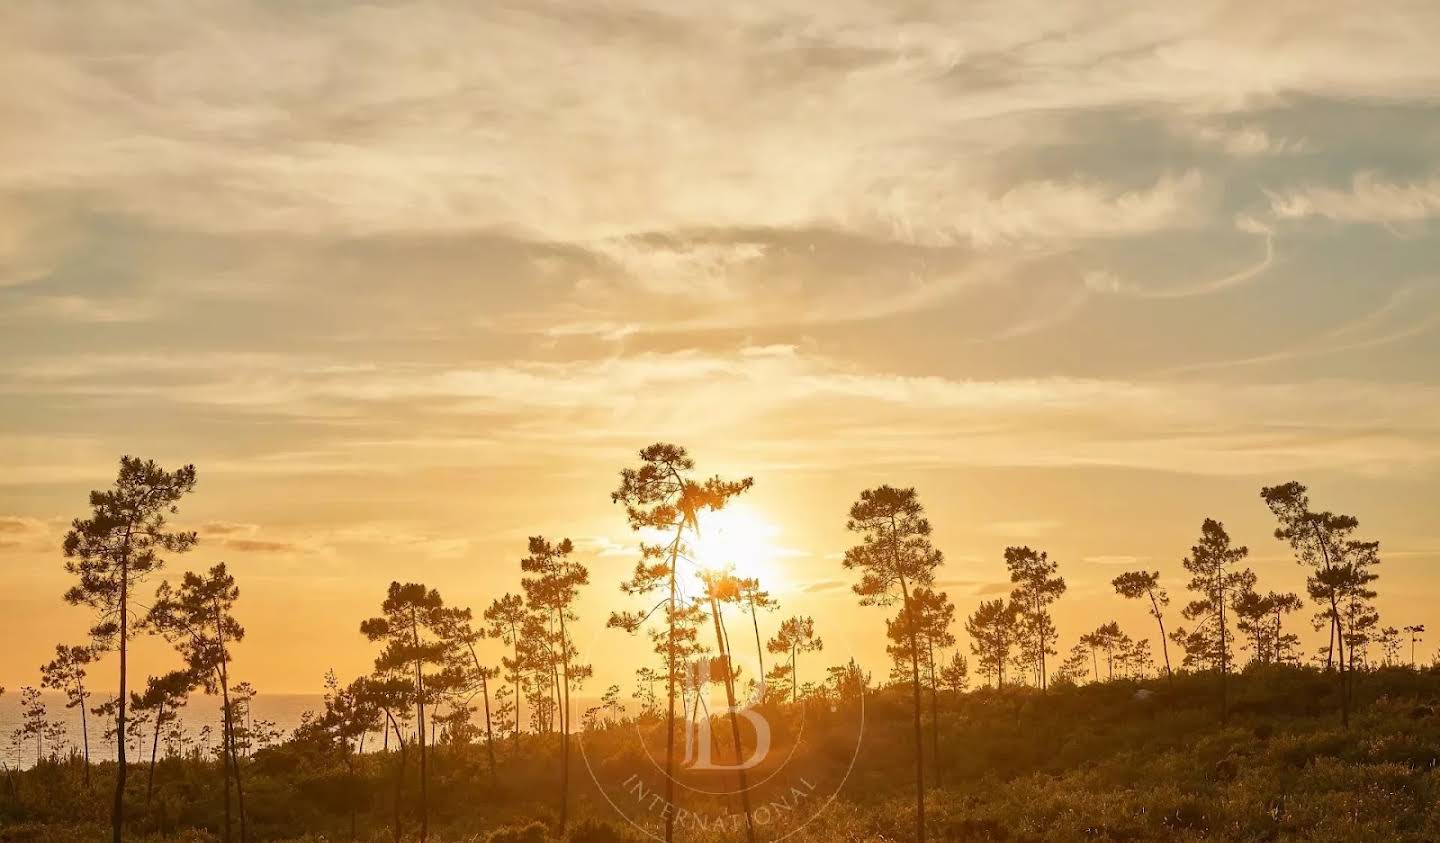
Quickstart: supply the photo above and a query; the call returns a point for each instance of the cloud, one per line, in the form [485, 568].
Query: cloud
[1054, 211]
[14, 524]
[21, 532]
[824, 586]
[27, 307]
[250, 118]
[1021, 529]
[226, 528]
[604, 547]
[259, 546]
[1250, 141]
[1406, 313]
[1369, 199]
[797, 408]
[1127, 561]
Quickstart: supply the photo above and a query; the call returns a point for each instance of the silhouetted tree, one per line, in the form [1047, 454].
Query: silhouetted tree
[1108, 638]
[66, 673]
[197, 617]
[410, 624]
[463, 659]
[1036, 588]
[1415, 631]
[163, 697]
[33, 719]
[1074, 667]
[1361, 616]
[754, 598]
[933, 614]
[506, 616]
[723, 587]
[1390, 646]
[553, 590]
[1137, 584]
[1339, 564]
[955, 675]
[795, 636]
[1259, 617]
[350, 714]
[993, 628]
[660, 495]
[1211, 563]
[848, 680]
[393, 692]
[114, 550]
[894, 557]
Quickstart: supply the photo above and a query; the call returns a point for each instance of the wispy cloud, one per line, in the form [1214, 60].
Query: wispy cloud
[1370, 198]
[820, 408]
[1118, 560]
[1021, 529]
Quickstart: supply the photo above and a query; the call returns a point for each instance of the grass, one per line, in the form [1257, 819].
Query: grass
[1080, 763]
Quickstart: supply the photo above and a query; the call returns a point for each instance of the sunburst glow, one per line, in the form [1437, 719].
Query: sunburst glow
[740, 536]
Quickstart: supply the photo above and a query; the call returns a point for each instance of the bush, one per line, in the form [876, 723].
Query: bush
[595, 831]
[531, 833]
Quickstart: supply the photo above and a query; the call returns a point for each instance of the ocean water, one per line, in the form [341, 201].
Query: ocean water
[284, 710]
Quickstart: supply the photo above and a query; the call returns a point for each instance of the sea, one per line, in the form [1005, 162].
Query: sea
[284, 710]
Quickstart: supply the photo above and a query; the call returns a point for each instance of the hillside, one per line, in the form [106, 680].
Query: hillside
[1078, 763]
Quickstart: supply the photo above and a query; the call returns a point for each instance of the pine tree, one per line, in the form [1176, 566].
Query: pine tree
[754, 598]
[350, 714]
[1339, 565]
[955, 675]
[161, 702]
[112, 552]
[795, 636]
[553, 589]
[993, 630]
[1146, 584]
[506, 615]
[1211, 563]
[66, 674]
[470, 676]
[934, 614]
[34, 718]
[411, 621]
[197, 617]
[895, 557]
[1036, 587]
[661, 495]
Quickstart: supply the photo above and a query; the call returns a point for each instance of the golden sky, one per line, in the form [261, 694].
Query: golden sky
[409, 282]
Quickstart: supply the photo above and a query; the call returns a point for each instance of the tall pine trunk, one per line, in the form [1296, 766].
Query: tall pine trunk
[85, 735]
[117, 813]
[564, 725]
[934, 709]
[723, 644]
[670, 694]
[154, 750]
[420, 724]
[1164, 642]
[485, 692]
[919, 731]
[759, 650]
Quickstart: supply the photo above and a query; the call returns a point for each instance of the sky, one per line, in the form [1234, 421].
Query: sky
[410, 282]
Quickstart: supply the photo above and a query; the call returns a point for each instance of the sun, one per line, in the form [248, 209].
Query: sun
[739, 536]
